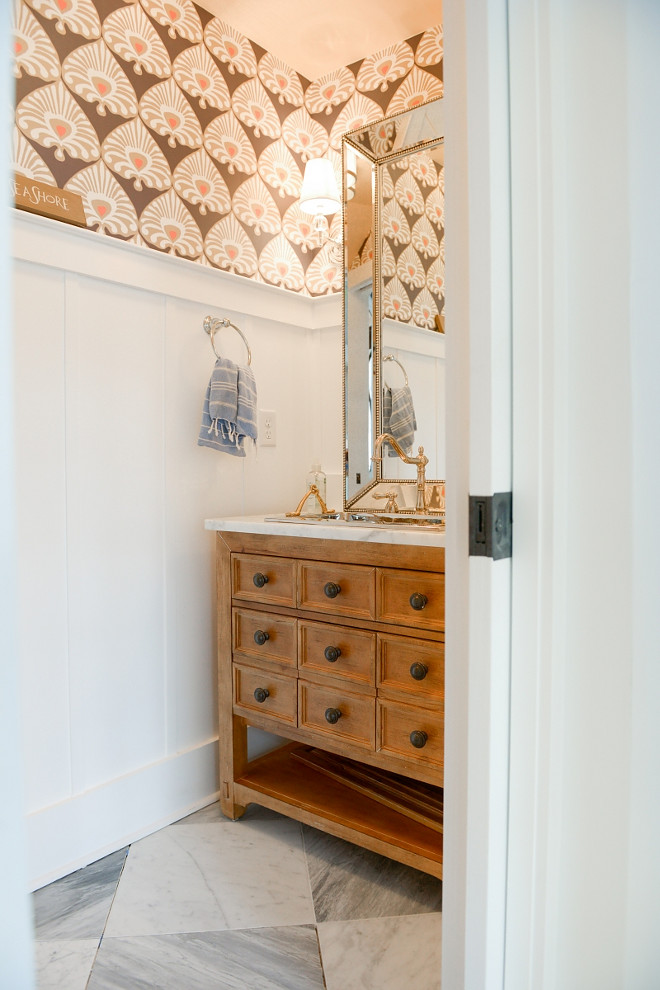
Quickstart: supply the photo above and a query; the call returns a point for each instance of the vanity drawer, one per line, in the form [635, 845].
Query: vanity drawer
[262, 636]
[343, 589]
[265, 692]
[398, 725]
[411, 598]
[412, 667]
[337, 651]
[263, 579]
[336, 713]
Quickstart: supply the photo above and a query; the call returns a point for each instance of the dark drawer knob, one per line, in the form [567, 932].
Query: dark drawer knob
[261, 694]
[418, 738]
[418, 670]
[418, 601]
[259, 579]
[260, 637]
[332, 715]
[332, 653]
[331, 590]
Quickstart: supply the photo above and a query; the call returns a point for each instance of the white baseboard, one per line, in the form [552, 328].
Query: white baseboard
[73, 833]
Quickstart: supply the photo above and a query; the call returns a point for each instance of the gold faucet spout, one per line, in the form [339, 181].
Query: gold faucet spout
[420, 461]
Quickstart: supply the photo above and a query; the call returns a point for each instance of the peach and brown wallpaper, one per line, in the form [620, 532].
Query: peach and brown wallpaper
[412, 258]
[413, 247]
[184, 136]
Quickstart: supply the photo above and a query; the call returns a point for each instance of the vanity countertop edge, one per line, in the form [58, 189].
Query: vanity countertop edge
[404, 536]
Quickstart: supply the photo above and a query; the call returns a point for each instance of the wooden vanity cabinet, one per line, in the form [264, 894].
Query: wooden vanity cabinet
[338, 648]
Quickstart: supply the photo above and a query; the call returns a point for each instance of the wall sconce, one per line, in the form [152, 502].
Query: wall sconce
[319, 195]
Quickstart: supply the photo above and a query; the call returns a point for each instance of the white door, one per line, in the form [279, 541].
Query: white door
[478, 327]
[552, 865]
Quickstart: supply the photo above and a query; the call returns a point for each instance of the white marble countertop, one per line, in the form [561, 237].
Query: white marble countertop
[396, 534]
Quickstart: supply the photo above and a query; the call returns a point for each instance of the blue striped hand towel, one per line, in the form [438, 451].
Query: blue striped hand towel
[229, 415]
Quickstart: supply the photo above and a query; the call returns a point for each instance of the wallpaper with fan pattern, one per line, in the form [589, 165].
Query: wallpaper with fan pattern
[413, 246]
[182, 135]
[412, 260]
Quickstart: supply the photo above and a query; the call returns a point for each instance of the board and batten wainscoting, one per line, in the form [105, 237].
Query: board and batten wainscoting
[116, 596]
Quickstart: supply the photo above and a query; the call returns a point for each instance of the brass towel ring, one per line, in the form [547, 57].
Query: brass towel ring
[211, 325]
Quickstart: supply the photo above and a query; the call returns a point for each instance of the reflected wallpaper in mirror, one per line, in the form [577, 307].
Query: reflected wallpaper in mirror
[394, 298]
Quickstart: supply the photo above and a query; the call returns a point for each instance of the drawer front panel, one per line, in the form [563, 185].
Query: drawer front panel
[397, 723]
[262, 636]
[337, 651]
[318, 706]
[411, 598]
[413, 667]
[263, 579]
[265, 692]
[342, 589]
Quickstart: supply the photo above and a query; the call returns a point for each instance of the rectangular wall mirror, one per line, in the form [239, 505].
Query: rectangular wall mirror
[394, 296]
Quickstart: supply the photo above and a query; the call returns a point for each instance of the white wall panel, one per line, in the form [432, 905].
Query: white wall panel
[115, 495]
[39, 315]
[199, 482]
[275, 481]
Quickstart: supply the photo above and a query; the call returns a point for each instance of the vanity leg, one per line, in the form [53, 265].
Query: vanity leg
[229, 808]
[233, 759]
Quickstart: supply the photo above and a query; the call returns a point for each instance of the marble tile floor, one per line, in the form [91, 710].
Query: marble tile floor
[260, 904]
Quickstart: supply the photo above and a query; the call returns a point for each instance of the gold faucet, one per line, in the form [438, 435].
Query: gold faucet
[312, 490]
[421, 461]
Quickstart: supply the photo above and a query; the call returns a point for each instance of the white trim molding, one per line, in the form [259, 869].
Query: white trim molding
[68, 248]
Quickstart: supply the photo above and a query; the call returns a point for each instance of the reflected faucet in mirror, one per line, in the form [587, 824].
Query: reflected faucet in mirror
[421, 461]
[391, 504]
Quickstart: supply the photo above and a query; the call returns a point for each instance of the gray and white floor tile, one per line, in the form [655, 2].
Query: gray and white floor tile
[213, 877]
[77, 906]
[212, 813]
[382, 953]
[260, 904]
[262, 959]
[64, 964]
[349, 882]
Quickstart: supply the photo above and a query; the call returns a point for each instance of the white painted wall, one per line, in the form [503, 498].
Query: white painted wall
[16, 954]
[116, 572]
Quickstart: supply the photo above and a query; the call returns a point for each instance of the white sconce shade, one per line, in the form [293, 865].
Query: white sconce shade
[319, 189]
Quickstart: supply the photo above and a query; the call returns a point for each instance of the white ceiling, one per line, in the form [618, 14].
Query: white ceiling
[316, 38]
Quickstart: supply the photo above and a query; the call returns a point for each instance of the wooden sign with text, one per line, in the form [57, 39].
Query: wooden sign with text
[48, 201]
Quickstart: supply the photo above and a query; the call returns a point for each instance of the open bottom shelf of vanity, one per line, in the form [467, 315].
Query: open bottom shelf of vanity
[283, 783]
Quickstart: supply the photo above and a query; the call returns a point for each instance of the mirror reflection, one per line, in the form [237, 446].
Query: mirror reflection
[394, 354]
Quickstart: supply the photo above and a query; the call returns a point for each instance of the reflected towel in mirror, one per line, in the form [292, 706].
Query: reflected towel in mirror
[399, 417]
